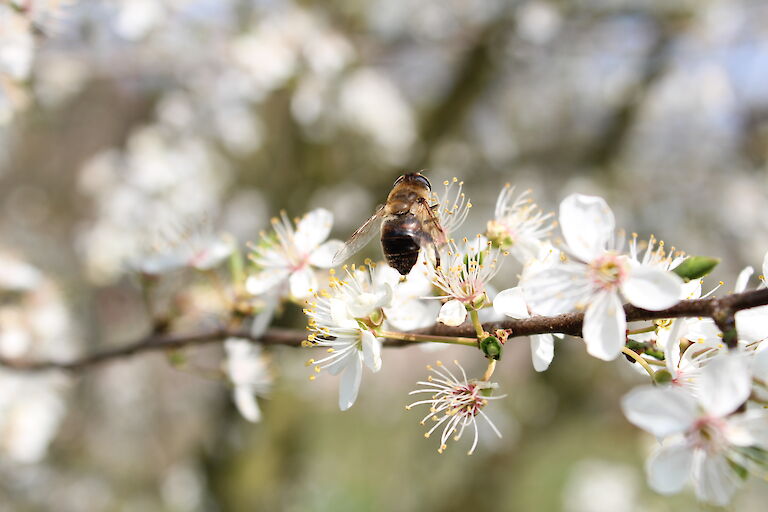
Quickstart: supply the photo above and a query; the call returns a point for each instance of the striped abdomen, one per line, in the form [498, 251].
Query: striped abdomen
[400, 237]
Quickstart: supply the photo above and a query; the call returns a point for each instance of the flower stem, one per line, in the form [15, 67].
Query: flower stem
[489, 371]
[427, 338]
[640, 360]
[478, 326]
[651, 328]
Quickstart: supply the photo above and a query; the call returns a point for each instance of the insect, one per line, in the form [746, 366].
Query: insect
[407, 222]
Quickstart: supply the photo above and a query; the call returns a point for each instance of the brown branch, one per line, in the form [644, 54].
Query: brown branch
[721, 310]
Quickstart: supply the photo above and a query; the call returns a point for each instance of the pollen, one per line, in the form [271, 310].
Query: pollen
[309, 362]
[311, 377]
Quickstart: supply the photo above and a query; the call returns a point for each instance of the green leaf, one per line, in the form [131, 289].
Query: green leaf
[695, 267]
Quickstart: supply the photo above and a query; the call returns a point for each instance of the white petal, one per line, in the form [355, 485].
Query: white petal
[587, 224]
[365, 303]
[724, 384]
[557, 290]
[542, 351]
[660, 411]
[265, 280]
[371, 351]
[760, 364]
[322, 257]
[349, 384]
[748, 429]
[246, 404]
[511, 303]
[340, 314]
[313, 229]
[605, 327]
[743, 279]
[302, 283]
[412, 314]
[765, 265]
[452, 313]
[752, 324]
[652, 288]
[212, 254]
[713, 478]
[669, 341]
[669, 468]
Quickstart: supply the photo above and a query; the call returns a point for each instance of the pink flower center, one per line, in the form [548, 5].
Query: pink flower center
[708, 433]
[608, 271]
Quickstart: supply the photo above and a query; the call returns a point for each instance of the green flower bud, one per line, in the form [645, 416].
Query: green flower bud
[695, 267]
[662, 377]
[491, 347]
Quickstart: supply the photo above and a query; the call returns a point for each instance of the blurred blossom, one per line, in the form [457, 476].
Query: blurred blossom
[183, 487]
[538, 21]
[161, 179]
[248, 372]
[34, 324]
[136, 18]
[596, 485]
[371, 103]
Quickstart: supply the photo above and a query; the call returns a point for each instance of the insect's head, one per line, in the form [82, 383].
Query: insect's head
[415, 178]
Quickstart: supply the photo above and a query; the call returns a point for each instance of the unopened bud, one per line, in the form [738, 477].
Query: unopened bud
[491, 347]
[695, 267]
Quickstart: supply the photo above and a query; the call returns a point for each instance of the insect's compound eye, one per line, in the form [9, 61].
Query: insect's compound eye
[423, 180]
[399, 180]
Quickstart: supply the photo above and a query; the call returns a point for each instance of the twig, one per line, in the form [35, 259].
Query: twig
[721, 310]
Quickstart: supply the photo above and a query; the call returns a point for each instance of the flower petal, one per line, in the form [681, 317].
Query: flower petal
[748, 429]
[743, 279]
[752, 324]
[713, 478]
[587, 224]
[313, 229]
[452, 313]
[605, 327]
[266, 280]
[652, 288]
[212, 254]
[660, 411]
[511, 303]
[371, 351]
[557, 290]
[302, 283]
[246, 403]
[669, 468]
[322, 257]
[724, 384]
[349, 384]
[411, 314]
[542, 351]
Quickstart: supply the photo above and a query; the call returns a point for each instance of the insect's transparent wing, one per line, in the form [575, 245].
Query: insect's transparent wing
[431, 224]
[361, 237]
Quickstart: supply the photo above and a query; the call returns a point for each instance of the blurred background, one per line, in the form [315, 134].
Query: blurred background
[120, 118]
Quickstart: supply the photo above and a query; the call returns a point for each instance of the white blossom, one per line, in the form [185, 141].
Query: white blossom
[454, 404]
[597, 277]
[340, 321]
[248, 372]
[463, 276]
[519, 226]
[702, 439]
[288, 255]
